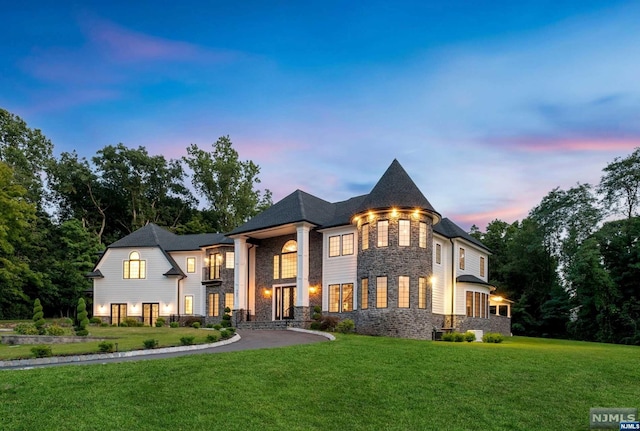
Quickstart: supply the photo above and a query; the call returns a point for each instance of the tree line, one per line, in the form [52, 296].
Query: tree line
[58, 213]
[572, 266]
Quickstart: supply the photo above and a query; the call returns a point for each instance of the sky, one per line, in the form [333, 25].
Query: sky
[487, 105]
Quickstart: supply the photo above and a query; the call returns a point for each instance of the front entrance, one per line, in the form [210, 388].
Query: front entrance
[284, 302]
[150, 313]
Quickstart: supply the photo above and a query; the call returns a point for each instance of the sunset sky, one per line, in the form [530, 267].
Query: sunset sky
[487, 105]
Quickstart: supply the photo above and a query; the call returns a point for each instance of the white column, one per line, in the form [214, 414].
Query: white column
[302, 280]
[240, 273]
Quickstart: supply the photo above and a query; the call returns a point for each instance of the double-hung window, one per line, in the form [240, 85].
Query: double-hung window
[341, 297]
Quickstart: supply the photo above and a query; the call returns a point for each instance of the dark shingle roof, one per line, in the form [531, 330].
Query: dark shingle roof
[396, 189]
[298, 206]
[153, 235]
[468, 278]
[449, 229]
[344, 211]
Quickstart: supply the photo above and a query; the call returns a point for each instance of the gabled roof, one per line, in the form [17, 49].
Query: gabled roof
[153, 235]
[299, 206]
[449, 229]
[396, 189]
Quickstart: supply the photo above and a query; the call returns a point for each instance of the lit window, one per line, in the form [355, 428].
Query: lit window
[334, 298]
[213, 306]
[289, 265]
[134, 267]
[276, 267]
[364, 294]
[188, 304]
[347, 297]
[422, 292]
[461, 258]
[423, 235]
[403, 292]
[481, 266]
[365, 236]
[381, 292]
[229, 260]
[228, 301]
[438, 254]
[334, 246]
[347, 244]
[383, 233]
[215, 263]
[404, 232]
[477, 304]
[191, 264]
[290, 246]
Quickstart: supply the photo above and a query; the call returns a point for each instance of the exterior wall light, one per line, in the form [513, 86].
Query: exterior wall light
[267, 292]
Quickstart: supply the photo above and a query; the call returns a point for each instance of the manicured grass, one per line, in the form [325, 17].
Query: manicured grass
[354, 383]
[127, 339]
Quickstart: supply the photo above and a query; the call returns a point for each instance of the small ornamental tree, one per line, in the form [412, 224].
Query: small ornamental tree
[38, 316]
[83, 321]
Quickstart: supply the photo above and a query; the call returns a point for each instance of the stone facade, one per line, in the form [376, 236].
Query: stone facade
[221, 287]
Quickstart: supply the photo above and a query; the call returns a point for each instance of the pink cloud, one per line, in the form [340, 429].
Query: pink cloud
[128, 46]
[552, 144]
[482, 219]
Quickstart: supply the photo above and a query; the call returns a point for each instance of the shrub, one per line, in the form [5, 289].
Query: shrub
[317, 309]
[106, 347]
[189, 321]
[159, 324]
[132, 322]
[104, 324]
[212, 338]
[38, 316]
[174, 325]
[187, 340]
[195, 325]
[123, 324]
[83, 322]
[231, 330]
[150, 343]
[54, 330]
[210, 325]
[447, 336]
[82, 332]
[315, 326]
[329, 323]
[316, 316]
[41, 351]
[26, 329]
[161, 321]
[346, 326]
[95, 321]
[458, 337]
[65, 322]
[469, 337]
[492, 337]
[218, 327]
[224, 334]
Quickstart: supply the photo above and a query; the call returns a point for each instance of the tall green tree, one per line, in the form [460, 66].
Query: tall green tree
[17, 215]
[227, 184]
[620, 184]
[27, 151]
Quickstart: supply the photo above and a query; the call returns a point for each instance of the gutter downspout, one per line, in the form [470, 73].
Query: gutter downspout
[453, 281]
[249, 280]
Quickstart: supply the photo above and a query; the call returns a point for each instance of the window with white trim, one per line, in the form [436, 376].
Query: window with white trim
[482, 265]
[403, 292]
[381, 292]
[423, 235]
[134, 268]
[383, 233]
[191, 265]
[438, 253]
[229, 260]
[461, 258]
[404, 233]
[477, 304]
[188, 304]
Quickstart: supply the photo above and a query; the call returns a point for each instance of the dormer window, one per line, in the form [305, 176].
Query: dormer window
[134, 267]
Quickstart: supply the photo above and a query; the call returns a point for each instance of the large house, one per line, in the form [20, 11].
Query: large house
[387, 260]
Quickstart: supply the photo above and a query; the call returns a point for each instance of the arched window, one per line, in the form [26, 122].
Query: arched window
[134, 267]
[285, 264]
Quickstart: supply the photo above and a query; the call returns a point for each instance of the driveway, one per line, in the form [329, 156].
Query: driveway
[250, 340]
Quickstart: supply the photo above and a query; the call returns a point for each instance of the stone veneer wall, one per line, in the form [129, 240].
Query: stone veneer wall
[394, 261]
[226, 286]
[264, 275]
[494, 323]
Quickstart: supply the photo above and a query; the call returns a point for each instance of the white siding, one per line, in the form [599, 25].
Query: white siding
[442, 277]
[339, 269]
[471, 267]
[113, 288]
[192, 284]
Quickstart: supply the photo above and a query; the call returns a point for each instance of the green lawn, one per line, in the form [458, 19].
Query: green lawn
[353, 383]
[127, 339]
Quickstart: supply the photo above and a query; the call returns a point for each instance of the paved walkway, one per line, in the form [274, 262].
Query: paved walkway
[248, 340]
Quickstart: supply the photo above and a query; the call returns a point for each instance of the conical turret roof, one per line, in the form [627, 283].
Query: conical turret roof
[396, 189]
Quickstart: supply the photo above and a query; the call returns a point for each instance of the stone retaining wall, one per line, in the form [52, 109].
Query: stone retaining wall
[46, 339]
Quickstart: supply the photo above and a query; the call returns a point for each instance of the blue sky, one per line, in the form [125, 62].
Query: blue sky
[487, 105]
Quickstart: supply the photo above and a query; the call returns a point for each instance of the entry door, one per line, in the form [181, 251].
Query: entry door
[118, 313]
[285, 300]
[150, 313]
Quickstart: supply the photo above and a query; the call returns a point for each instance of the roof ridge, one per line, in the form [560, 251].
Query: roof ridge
[301, 203]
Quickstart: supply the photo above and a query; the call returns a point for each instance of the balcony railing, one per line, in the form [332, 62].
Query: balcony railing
[211, 273]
